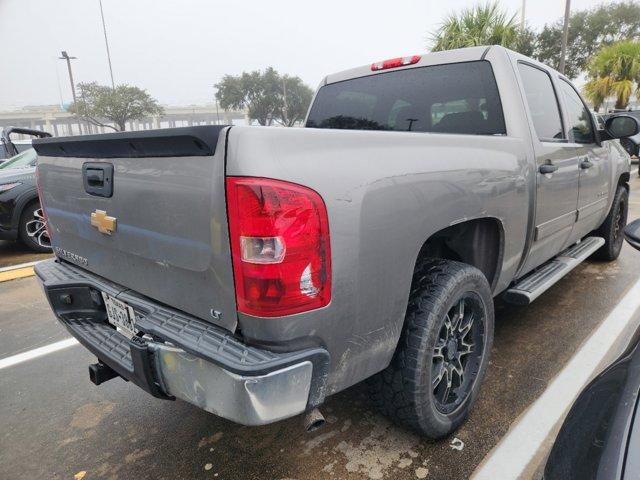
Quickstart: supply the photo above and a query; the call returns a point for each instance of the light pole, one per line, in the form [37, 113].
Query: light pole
[106, 42]
[522, 17]
[565, 36]
[215, 98]
[65, 56]
[59, 87]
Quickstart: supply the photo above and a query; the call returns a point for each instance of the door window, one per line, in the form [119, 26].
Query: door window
[578, 116]
[543, 103]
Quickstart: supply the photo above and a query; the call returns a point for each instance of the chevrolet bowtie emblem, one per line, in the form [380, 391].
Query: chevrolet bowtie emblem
[103, 222]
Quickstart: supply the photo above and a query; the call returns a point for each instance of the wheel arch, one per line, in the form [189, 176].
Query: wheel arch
[25, 199]
[26, 204]
[478, 242]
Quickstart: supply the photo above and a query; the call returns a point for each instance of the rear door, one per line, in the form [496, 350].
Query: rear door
[557, 167]
[145, 210]
[594, 166]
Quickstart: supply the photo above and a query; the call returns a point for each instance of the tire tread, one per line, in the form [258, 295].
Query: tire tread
[398, 391]
[611, 250]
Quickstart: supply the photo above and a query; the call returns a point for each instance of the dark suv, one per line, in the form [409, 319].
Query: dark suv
[21, 217]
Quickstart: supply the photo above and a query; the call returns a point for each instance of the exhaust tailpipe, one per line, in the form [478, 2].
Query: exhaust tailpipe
[313, 420]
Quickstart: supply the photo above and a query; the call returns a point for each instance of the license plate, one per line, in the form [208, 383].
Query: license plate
[120, 315]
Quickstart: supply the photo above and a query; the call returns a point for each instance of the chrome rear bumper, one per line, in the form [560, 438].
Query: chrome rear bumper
[179, 356]
[249, 400]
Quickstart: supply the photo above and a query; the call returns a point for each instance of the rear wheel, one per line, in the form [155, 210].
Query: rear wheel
[612, 228]
[436, 372]
[32, 229]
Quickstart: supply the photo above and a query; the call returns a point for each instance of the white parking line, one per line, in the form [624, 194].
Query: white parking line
[516, 454]
[36, 352]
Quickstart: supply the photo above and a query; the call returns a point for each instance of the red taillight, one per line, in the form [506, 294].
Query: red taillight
[280, 246]
[44, 212]
[395, 63]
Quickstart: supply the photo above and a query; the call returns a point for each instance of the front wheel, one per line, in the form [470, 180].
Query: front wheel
[613, 226]
[33, 231]
[435, 375]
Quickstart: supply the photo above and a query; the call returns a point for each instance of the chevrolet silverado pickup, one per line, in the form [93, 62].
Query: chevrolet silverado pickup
[254, 272]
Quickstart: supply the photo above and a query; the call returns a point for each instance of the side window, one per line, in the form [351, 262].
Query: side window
[543, 103]
[578, 116]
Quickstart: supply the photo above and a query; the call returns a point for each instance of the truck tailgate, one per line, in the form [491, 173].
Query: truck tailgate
[170, 239]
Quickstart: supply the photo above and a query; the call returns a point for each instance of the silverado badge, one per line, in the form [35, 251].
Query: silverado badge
[103, 222]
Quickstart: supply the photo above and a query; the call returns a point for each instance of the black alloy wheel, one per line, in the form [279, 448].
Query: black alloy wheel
[457, 354]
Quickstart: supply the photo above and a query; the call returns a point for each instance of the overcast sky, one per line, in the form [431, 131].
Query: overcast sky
[178, 49]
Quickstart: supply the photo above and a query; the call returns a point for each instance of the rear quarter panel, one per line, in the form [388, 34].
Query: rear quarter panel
[386, 193]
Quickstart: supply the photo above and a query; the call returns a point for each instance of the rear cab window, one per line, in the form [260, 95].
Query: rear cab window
[458, 98]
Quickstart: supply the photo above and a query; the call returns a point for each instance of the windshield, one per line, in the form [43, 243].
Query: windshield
[456, 98]
[22, 160]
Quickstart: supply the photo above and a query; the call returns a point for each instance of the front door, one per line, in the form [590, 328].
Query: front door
[593, 163]
[557, 174]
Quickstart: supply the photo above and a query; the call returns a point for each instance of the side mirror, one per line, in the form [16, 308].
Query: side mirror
[632, 234]
[621, 126]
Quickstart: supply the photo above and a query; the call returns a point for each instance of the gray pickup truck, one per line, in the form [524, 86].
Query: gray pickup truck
[254, 272]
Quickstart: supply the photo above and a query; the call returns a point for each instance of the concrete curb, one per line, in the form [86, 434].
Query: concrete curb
[14, 272]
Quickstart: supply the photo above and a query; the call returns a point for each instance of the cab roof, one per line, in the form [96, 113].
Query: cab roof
[433, 58]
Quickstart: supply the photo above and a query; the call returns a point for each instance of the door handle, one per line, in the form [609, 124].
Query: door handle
[547, 168]
[585, 163]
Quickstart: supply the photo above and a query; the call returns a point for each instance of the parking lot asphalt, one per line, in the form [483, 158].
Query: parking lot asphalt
[56, 424]
[12, 253]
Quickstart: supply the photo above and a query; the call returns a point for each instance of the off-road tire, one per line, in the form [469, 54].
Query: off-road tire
[403, 391]
[612, 228]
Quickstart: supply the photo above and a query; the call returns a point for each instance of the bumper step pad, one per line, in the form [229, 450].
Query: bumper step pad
[86, 320]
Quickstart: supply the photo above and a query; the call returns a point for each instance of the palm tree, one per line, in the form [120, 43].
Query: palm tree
[480, 25]
[614, 71]
[597, 90]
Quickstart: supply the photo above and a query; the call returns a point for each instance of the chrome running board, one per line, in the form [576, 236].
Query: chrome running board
[530, 287]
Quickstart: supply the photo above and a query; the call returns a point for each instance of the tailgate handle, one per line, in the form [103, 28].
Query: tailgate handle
[97, 178]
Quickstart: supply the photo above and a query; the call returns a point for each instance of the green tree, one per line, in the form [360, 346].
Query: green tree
[256, 91]
[527, 42]
[296, 98]
[263, 95]
[99, 105]
[484, 24]
[589, 30]
[596, 92]
[615, 70]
